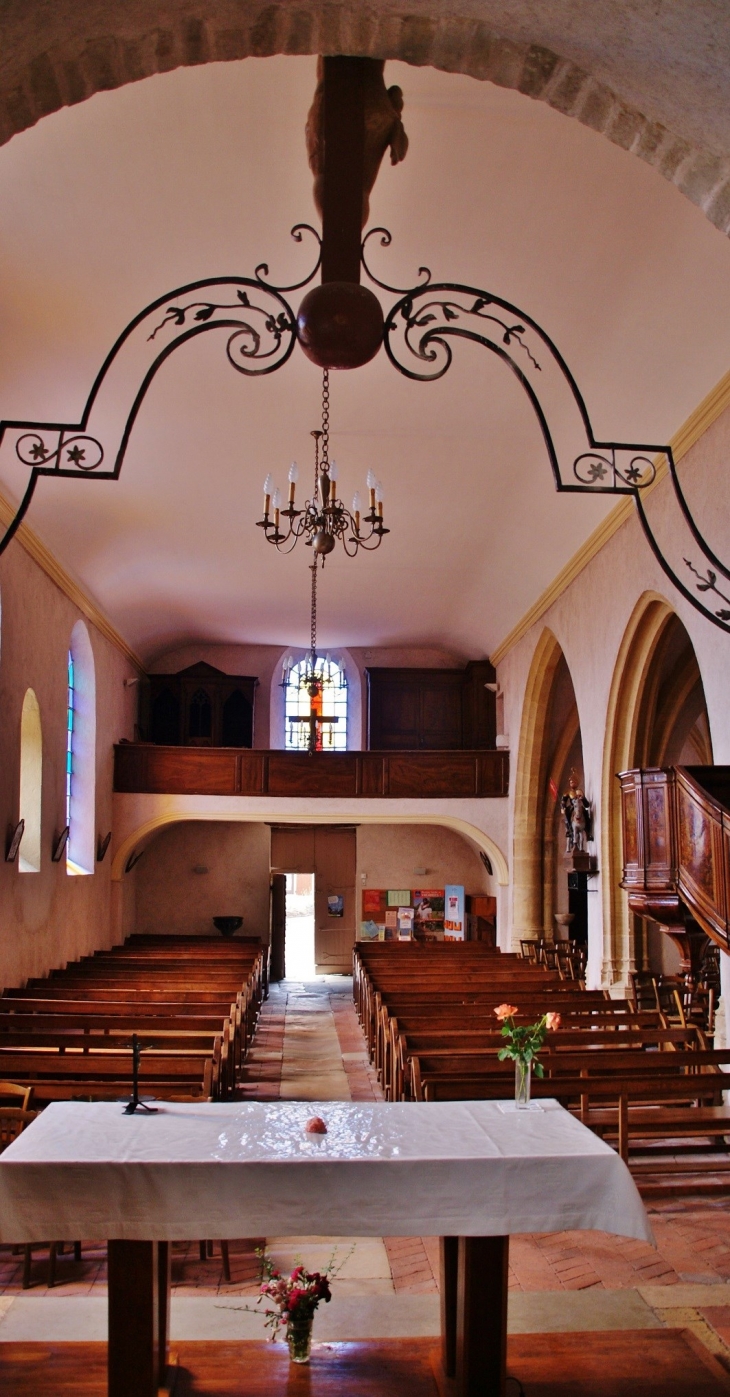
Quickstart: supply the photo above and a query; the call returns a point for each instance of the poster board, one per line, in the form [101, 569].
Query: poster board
[401, 914]
[454, 913]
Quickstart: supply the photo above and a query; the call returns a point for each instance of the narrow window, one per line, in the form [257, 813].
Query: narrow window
[69, 736]
[81, 754]
[31, 768]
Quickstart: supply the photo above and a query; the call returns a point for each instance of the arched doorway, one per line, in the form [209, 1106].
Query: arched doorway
[550, 749]
[657, 717]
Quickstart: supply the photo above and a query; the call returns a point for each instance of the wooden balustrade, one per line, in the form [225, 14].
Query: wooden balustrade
[227, 771]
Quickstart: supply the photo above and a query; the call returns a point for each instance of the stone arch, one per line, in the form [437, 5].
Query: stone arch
[80, 50]
[530, 778]
[644, 719]
[138, 838]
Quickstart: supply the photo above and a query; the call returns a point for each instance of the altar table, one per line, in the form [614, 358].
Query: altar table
[469, 1172]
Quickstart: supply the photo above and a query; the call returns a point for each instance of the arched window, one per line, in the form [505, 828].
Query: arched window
[81, 754]
[31, 766]
[331, 702]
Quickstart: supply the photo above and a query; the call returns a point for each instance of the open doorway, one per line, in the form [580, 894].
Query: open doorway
[299, 942]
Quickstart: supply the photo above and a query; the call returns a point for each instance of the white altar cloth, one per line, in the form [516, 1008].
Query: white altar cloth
[249, 1169]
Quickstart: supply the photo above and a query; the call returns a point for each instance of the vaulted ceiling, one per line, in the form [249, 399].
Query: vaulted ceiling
[202, 171]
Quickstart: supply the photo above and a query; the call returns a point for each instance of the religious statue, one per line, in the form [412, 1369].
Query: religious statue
[578, 817]
[383, 129]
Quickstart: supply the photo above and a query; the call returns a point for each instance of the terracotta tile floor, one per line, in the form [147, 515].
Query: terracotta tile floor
[693, 1235]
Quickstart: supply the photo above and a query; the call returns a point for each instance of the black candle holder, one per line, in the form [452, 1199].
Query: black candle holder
[134, 1103]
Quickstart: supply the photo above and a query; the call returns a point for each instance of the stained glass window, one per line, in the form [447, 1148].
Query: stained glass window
[69, 736]
[331, 702]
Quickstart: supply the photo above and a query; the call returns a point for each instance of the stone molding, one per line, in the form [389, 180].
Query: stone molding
[50, 565]
[96, 48]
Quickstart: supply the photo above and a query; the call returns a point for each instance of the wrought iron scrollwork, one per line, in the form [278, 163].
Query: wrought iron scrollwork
[421, 330]
[261, 335]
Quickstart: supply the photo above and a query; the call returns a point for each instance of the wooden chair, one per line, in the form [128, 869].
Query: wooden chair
[14, 1095]
[206, 1251]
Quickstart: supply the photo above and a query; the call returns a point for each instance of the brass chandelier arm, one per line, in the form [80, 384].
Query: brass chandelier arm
[324, 521]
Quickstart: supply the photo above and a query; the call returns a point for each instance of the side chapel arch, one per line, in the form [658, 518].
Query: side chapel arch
[657, 716]
[530, 778]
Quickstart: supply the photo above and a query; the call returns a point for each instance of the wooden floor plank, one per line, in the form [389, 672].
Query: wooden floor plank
[653, 1362]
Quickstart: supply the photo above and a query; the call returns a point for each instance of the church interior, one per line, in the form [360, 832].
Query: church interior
[364, 920]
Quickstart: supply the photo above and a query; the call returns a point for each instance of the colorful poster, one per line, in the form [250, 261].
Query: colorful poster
[405, 923]
[370, 931]
[371, 899]
[335, 905]
[429, 911]
[454, 914]
[391, 917]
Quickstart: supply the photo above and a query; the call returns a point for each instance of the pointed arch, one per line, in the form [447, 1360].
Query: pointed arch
[643, 718]
[81, 754]
[530, 777]
[31, 774]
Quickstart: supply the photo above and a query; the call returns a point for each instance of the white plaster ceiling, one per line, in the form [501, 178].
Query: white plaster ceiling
[107, 205]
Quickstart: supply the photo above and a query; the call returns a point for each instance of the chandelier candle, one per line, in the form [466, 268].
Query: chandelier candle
[324, 521]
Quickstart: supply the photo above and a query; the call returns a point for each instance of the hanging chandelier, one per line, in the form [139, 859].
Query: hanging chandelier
[324, 520]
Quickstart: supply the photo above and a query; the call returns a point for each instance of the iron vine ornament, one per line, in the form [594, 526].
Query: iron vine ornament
[421, 328]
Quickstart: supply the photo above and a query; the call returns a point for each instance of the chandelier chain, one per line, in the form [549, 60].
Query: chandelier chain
[325, 420]
[313, 613]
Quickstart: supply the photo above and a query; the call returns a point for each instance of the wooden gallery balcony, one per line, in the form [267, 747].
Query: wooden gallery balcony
[230, 771]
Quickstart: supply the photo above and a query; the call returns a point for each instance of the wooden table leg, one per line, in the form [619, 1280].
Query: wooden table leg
[481, 1316]
[133, 1363]
[449, 1269]
[164, 1251]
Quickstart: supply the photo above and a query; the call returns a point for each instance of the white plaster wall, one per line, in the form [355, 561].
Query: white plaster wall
[48, 918]
[590, 618]
[192, 872]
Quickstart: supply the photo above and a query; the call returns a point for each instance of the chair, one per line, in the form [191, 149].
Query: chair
[11, 1094]
[565, 960]
[206, 1251]
[529, 951]
[643, 994]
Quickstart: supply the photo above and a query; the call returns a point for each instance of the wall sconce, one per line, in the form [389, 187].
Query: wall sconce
[13, 842]
[60, 844]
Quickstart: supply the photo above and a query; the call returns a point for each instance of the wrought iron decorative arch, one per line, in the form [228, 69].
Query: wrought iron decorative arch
[421, 328]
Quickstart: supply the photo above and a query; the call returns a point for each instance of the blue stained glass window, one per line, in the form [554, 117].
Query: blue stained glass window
[69, 736]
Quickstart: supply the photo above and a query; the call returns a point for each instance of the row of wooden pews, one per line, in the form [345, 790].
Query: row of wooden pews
[652, 1088]
[193, 1003]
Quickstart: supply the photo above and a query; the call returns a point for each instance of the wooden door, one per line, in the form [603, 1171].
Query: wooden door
[277, 969]
[329, 852]
[334, 920]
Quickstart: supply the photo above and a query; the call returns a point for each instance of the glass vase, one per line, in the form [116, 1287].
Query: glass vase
[299, 1339]
[523, 1073]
